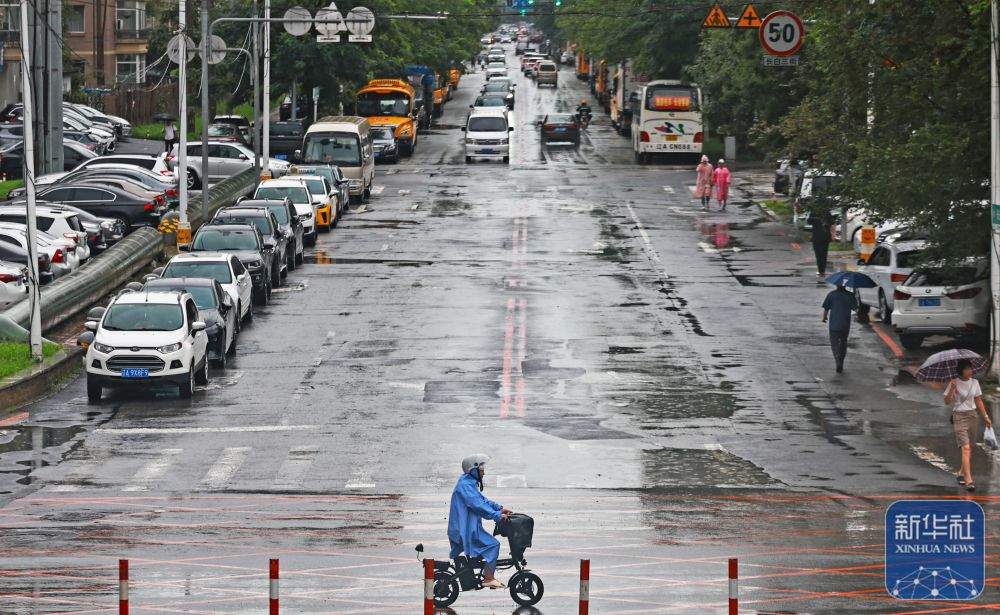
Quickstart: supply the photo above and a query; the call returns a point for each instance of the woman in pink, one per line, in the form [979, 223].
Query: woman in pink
[703, 187]
[720, 179]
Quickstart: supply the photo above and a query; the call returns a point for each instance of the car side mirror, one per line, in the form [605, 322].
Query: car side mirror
[510, 129]
[463, 128]
[302, 216]
[184, 247]
[861, 261]
[244, 157]
[297, 155]
[90, 325]
[197, 326]
[472, 106]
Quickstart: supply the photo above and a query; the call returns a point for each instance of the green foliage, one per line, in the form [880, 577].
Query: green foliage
[8, 185]
[16, 356]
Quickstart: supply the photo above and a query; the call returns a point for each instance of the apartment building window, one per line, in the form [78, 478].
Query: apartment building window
[11, 18]
[73, 15]
[128, 68]
[130, 16]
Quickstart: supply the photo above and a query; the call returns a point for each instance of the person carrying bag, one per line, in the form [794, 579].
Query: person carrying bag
[965, 397]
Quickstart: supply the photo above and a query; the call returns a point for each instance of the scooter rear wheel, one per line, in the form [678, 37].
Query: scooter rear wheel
[526, 588]
[446, 589]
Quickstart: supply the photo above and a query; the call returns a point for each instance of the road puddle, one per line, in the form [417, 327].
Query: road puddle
[26, 448]
[322, 257]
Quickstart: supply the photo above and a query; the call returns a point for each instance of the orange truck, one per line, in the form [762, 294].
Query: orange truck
[441, 94]
[454, 75]
[390, 102]
[582, 66]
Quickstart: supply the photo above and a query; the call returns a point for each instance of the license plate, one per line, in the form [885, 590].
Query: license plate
[670, 137]
[929, 302]
[135, 372]
[489, 151]
[560, 130]
[281, 156]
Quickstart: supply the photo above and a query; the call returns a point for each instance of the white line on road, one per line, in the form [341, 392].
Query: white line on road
[125, 431]
[668, 189]
[295, 466]
[225, 467]
[377, 189]
[153, 470]
[403, 192]
[642, 231]
[932, 458]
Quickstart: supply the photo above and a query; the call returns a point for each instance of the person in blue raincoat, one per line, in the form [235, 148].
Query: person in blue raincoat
[465, 527]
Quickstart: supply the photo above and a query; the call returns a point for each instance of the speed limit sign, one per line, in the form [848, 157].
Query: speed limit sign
[781, 33]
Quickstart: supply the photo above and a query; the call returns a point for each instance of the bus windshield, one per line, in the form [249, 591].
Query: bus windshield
[671, 98]
[337, 148]
[374, 103]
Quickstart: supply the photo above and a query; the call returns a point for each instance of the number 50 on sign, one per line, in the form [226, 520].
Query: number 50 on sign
[781, 33]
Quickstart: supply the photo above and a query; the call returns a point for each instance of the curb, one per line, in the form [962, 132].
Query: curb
[20, 389]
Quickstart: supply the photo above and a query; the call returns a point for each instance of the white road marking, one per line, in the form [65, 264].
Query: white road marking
[377, 189]
[415, 206]
[713, 446]
[128, 431]
[300, 390]
[512, 480]
[932, 458]
[642, 231]
[404, 192]
[293, 470]
[668, 189]
[153, 470]
[406, 385]
[225, 467]
[361, 476]
[385, 247]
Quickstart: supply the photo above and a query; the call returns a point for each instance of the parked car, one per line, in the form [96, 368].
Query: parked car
[567, 58]
[560, 127]
[324, 199]
[132, 209]
[215, 308]
[224, 160]
[274, 240]
[797, 170]
[286, 137]
[500, 87]
[495, 69]
[15, 254]
[298, 194]
[243, 124]
[61, 252]
[334, 176]
[942, 300]
[815, 184]
[102, 233]
[149, 170]
[244, 241]
[12, 157]
[226, 269]
[288, 221]
[169, 333]
[889, 265]
[13, 283]
[384, 143]
[227, 132]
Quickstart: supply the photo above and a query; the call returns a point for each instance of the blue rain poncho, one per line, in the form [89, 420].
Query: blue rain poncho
[465, 528]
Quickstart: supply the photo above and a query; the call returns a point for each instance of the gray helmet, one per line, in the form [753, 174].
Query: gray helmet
[474, 461]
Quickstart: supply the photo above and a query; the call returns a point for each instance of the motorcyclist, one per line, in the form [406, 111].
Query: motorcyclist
[583, 112]
[465, 528]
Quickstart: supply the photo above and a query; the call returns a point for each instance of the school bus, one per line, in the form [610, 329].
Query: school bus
[454, 75]
[440, 95]
[390, 102]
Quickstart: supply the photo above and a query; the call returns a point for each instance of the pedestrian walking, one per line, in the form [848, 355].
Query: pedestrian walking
[703, 185]
[169, 136]
[822, 232]
[837, 308]
[965, 397]
[720, 179]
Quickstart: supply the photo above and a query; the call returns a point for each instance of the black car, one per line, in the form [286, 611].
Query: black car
[215, 308]
[384, 144]
[17, 254]
[275, 239]
[131, 209]
[500, 87]
[288, 221]
[560, 127]
[286, 137]
[241, 238]
[12, 157]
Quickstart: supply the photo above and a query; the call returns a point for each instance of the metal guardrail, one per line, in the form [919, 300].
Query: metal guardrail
[79, 290]
[219, 195]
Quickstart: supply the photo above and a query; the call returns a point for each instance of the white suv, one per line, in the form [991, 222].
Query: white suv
[147, 336]
[487, 135]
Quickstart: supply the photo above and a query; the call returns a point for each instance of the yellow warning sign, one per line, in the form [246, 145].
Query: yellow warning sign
[716, 18]
[749, 18]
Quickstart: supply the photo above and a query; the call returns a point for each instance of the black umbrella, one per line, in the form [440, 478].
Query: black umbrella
[163, 117]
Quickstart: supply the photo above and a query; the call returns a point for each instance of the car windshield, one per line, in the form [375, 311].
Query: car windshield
[216, 270]
[280, 212]
[490, 101]
[374, 103]
[959, 275]
[497, 65]
[906, 260]
[262, 223]
[144, 317]
[221, 130]
[297, 194]
[204, 296]
[315, 186]
[286, 129]
[560, 118]
[214, 240]
[342, 149]
[382, 134]
[496, 86]
[487, 124]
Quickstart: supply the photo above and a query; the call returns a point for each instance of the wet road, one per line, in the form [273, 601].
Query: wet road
[651, 380]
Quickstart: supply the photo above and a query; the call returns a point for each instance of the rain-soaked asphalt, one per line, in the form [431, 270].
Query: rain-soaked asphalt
[652, 382]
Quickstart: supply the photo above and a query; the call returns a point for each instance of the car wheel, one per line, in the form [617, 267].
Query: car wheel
[290, 260]
[506, 159]
[260, 296]
[298, 259]
[94, 390]
[911, 341]
[186, 388]
[468, 160]
[250, 313]
[194, 182]
[884, 313]
[223, 354]
[863, 310]
[201, 376]
[123, 222]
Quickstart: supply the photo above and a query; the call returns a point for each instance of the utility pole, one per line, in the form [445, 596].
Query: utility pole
[181, 168]
[53, 162]
[35, 327]
[205, 51]
[255, 75]
[995, 189]
[266, 113]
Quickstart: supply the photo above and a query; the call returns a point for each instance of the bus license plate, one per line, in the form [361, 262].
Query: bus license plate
[135, 372]
[670, 137]
[929, 302]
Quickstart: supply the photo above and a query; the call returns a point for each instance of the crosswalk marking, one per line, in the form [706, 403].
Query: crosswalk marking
[153, 470]
[225, 467]
[293, 470]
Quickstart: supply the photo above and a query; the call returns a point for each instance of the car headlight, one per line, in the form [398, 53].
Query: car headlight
[405, 130]
[504, 141]
[99, 347]
[354, 183]
[169, 348]
[254, 265]
[470, 141]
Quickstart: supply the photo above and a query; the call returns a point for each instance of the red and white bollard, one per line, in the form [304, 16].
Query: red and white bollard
[734, 598]
[584, 586]
[123, 587]
[428, 587]
[273, 586]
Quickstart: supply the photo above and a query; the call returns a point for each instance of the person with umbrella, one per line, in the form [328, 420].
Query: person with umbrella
[837, 308]
[964, 396]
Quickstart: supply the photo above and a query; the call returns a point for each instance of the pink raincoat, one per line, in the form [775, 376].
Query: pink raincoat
[720, 178]
[703, 187]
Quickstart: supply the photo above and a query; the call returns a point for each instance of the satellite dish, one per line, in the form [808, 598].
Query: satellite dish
[303, 21]
[174, 49]
[360, 21]
[329, 21]
[216, 49]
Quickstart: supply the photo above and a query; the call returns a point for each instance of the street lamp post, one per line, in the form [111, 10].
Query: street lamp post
[994, 191]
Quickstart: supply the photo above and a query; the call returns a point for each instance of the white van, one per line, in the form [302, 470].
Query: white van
[487, 134]
[345, 141]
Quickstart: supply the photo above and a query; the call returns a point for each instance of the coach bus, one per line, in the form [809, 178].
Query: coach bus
[666, 119]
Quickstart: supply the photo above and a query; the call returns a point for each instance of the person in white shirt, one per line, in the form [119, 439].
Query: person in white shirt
[169, 136]
[965, 397]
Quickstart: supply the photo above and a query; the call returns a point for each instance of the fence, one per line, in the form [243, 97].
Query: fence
[138, 104]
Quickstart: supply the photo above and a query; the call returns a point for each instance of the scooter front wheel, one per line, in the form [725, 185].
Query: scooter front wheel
[526, 588]
[445, 589]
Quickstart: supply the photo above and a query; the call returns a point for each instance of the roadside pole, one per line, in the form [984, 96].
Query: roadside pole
[184, 228]
[205, 51]
[995, 190]
[28, 101]
[265, 156]
[255, 74]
